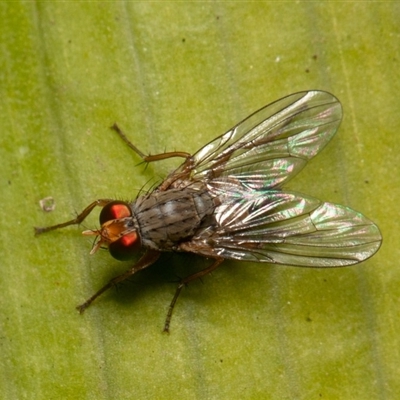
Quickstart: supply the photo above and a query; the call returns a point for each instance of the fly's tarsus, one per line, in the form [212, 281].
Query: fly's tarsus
[122, 135]
[148, 258]
[183, 283]
[149, 158]
[76, 221]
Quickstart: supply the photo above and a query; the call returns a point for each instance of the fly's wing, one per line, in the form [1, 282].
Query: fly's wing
[272, 145]
[289, 228]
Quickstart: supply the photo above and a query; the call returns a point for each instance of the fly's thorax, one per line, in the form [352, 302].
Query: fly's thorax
[166, 218]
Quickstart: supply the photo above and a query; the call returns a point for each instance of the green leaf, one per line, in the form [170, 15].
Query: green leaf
[174, 75]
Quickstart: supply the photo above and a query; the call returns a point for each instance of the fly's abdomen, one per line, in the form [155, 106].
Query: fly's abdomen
[167, 218]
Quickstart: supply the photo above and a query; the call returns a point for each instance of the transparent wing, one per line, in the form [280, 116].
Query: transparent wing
[272, 145]
[292, 229]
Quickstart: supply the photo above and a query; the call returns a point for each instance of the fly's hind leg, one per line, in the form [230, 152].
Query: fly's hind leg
[184, 282]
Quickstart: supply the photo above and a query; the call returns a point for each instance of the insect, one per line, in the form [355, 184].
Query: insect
[226, 200]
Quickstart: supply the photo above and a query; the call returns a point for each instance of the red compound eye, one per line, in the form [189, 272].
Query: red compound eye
[125, 247]
[114, 210]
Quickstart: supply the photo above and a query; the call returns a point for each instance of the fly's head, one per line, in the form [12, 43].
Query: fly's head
[118, 231]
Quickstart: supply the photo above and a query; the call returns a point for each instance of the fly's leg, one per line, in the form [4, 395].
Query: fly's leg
[183, 283]
[150, 257]
[183, 172]
[76, 221]
[149, 158]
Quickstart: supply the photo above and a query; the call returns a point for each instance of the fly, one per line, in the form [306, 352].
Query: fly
[226, 200]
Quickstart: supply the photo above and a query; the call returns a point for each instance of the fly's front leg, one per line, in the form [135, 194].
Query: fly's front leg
[183, 172]
[184, 282]
[76, 221]
[149, 158]
[150, 257]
